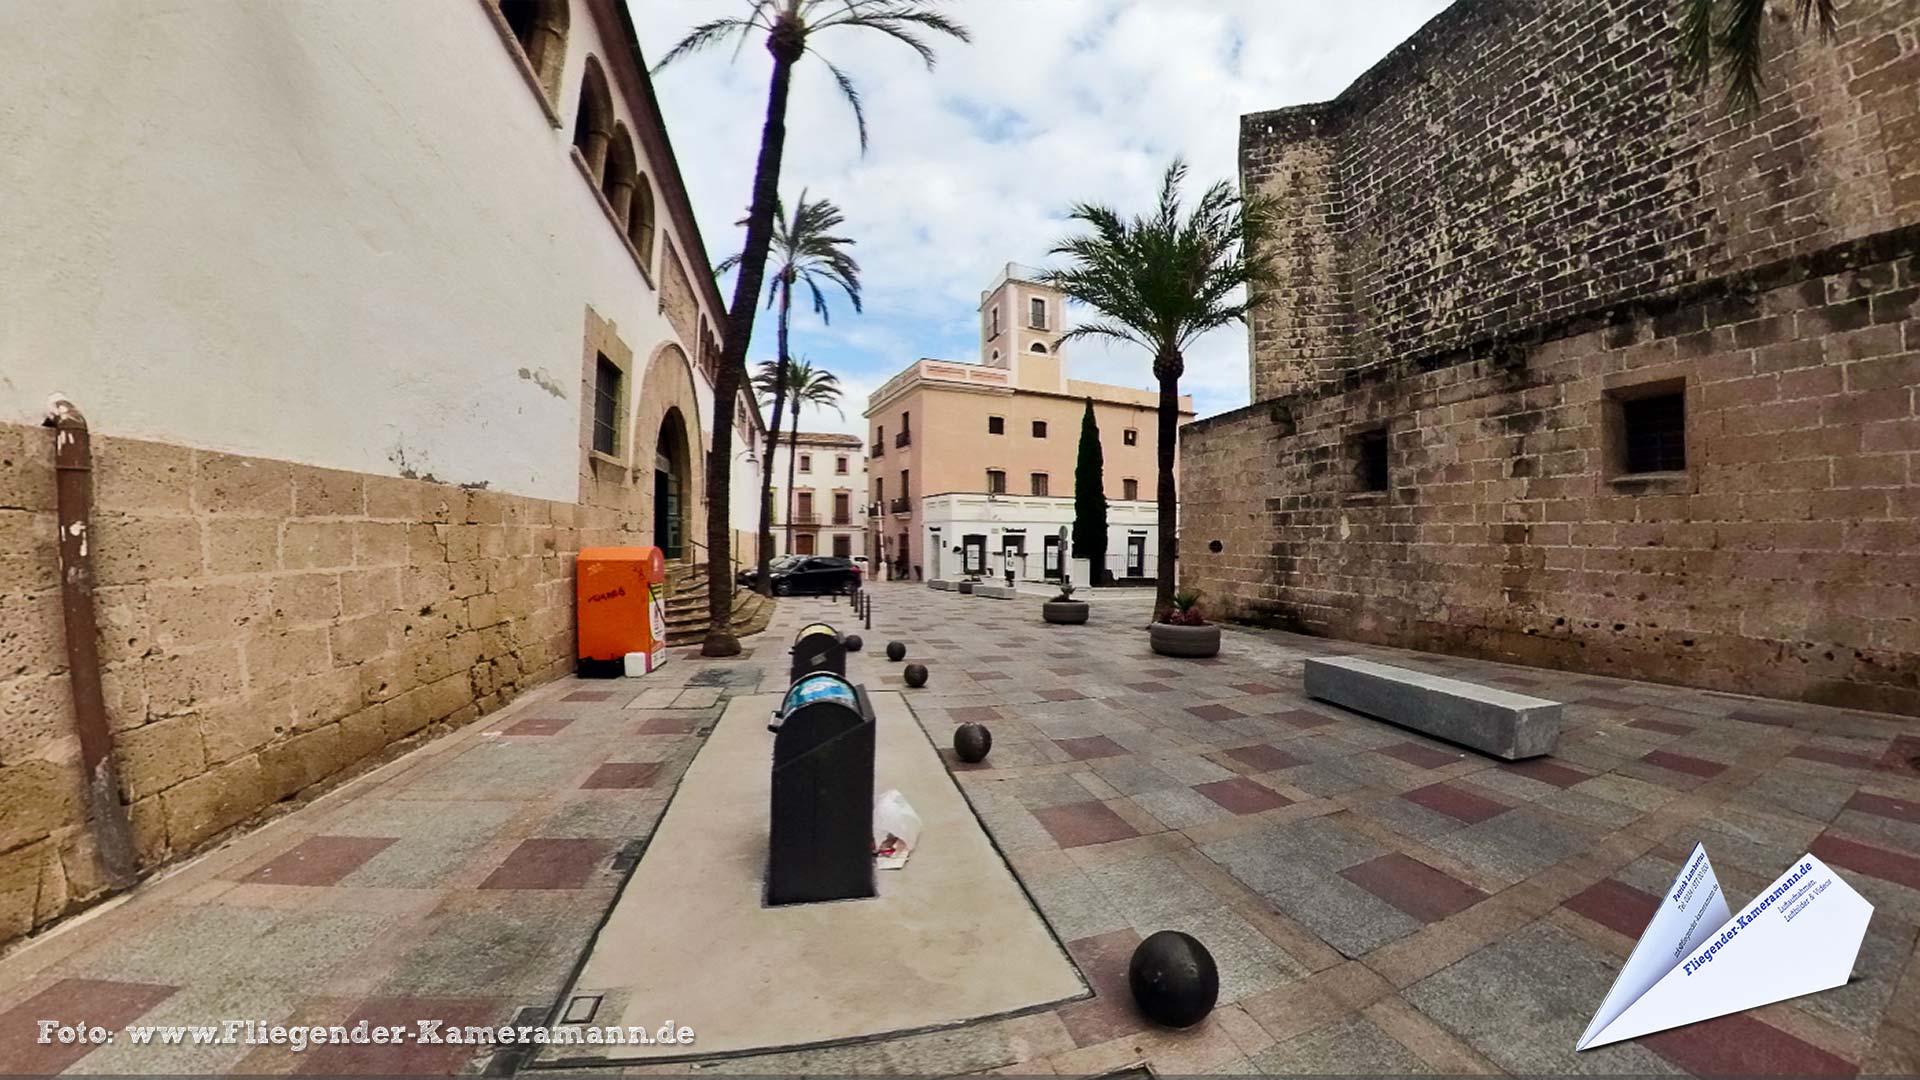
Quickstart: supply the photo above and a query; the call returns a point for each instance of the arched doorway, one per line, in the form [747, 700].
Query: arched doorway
[673, 494]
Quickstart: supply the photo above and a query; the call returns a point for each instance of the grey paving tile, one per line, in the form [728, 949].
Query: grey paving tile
[1181, 807]
[1343, 914]
[1270, 856]
[1349, 1047]
[1514, 846]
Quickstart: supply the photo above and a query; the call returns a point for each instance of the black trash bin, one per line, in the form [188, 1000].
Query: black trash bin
[817, 647]
[820, 825]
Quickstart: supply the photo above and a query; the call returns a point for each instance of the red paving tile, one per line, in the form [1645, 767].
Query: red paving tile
[1620, 908]
[1256, 688]
[1867, 859]
[1215, 712]
[1903, 756]
[589, 695]
[1547, 771]
[1609, 703]
[624, 774]
[1302, 718]
[1663, 726]
[544, 863]
[668, 725]
[537, 725]
[1265, 757]
[1097, 746]
[412, 1057]
[1067, 669]
[1884, 806]
[1243, 796]
[1149, 688]
[1082, 823]
[1110, 1013]
[974, 714]
[983, 675]
[320, 860]
[1755, 716]
[1681, 763]
[1456, 802]
[1415, 754]
[1062, 695]
[100, 1002]
[1413, 886]
[1162, 673]
[1740, 1045]
[1832, 757]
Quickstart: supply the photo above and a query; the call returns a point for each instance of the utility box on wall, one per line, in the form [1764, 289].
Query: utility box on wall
[621, 615]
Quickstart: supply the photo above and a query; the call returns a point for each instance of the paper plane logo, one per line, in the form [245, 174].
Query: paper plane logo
[1696, 960]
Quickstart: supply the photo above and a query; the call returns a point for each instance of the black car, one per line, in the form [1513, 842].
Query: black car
[801, 575]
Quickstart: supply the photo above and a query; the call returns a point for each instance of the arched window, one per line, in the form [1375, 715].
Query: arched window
[640, 221]
[540, 26]
[593, 120]
[1037, 347]
[617, 184]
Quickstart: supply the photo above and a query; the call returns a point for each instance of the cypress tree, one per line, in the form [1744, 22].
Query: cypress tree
[1090, 500]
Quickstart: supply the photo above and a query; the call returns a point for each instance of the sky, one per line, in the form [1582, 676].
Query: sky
[976, 163]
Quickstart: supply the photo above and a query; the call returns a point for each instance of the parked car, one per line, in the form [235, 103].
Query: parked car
[803, 575]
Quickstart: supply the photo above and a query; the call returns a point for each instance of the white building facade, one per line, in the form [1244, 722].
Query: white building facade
[970, 534]
[825, 511]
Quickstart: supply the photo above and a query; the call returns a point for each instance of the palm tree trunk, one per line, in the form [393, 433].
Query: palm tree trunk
[793, 456]
[1166, 513]
[786, 48]
[764, 579]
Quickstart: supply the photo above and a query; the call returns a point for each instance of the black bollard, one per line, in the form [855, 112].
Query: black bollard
[916, 675]
[971, 742]
[817, 647]
[1174, 979]
[896, 651]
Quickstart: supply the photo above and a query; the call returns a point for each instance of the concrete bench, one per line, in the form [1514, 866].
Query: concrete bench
[1497, 722]
[996, 592]
[941, 584]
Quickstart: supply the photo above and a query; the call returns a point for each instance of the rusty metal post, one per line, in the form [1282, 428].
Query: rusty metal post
[73, 472]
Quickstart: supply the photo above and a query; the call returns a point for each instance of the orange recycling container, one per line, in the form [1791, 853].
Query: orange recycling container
[621, 601]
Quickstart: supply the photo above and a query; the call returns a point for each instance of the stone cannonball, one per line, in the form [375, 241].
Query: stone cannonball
[916, 675]
[1174, 979]
[971, 743]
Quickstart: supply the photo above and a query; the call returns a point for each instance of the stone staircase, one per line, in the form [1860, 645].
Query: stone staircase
[687, 606]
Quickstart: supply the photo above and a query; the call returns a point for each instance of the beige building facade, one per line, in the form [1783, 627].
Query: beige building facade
[827, 511]
[1006, 426]
[371, 339]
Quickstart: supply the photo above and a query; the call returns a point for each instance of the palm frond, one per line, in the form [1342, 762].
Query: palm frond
[1696, 41]
[705, 36]
[1742, 41]
[852, 94]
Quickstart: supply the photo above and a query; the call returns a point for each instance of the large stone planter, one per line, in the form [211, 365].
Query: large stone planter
[1064, 612]
[1191, 641]
[966, 588]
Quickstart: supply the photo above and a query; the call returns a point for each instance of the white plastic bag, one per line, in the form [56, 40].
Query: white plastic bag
[896, 830]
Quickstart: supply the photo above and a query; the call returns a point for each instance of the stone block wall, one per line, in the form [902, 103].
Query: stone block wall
[1517, 162]
[265, 627]
[1784, 560]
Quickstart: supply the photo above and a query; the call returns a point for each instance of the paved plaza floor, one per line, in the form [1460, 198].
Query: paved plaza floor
[1378, 902]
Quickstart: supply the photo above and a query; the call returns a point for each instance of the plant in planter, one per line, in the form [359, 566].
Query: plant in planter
[1183, 630]
[1064, 609]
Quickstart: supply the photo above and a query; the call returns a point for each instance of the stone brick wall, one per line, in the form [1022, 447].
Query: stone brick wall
[1784, 561]
[1517, 162]
[265, 627]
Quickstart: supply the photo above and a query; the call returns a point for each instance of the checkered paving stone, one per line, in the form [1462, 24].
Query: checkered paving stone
[1377, 902]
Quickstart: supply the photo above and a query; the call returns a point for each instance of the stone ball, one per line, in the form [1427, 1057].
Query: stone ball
[853, 642]
[1174, 979]
[916, 675]
[971, 743]
[896, 651]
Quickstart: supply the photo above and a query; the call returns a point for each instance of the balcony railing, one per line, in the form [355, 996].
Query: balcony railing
[804, 517]
[843, 519]
[902, 438]
[903, 505]
[879, 448]
[876, 510]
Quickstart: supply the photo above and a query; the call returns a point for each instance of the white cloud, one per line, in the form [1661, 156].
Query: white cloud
[975, 164]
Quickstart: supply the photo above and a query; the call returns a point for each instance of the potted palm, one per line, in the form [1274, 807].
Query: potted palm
[1183, 630]
[1064, 609]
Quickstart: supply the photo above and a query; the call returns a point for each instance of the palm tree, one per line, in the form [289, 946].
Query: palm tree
[1732, 33]
[808, 385]
[806, 252]
[1160, 282]
[789, 26]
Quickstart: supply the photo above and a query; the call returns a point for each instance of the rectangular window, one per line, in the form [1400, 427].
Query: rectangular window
[1039, 429]
[842, 507]
[879, 491]
[843, 546]
[806, 463]
[1037, 314]
[606, 407]
[993, 322]
[1039, 481]
[1129, 488]
[840, 465]
[1370, 460]
[905, 489]
[1653, 433]
[1130, 437]
[996, 482]
[996, 425]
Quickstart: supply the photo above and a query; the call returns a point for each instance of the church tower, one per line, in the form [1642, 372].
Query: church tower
[1020, 327]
